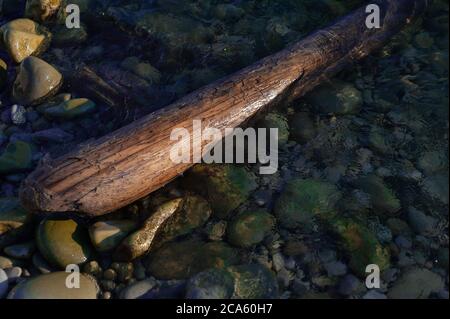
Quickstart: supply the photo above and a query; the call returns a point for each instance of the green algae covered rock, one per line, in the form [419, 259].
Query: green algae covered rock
[254, 281]
[17, 157]
[226, 186]
[277, 121]
[181, 260]
[383, 197]
[249, 228]
[303, 199]
[361, 246]
[70, 109]
[63, 242]
[336, 98]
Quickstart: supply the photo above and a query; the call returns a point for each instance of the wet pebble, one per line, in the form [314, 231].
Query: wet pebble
[21, 251]
[13, 274]
[18, 114]
[138, 289]
[3, 284]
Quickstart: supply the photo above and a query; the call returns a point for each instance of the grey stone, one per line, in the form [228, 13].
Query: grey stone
[138, 289]
[416, 283]
[336, 268]
[374, 294]
[3, 284]
[13, 274]
[422, 224]
[349, 285]
[18, 114]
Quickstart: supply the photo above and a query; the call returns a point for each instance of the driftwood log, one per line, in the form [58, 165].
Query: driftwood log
[134, 161]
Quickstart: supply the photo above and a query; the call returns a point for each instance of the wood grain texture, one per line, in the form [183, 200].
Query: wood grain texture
[133, 161]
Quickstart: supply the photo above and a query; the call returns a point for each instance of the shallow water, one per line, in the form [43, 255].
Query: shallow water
[361, 180]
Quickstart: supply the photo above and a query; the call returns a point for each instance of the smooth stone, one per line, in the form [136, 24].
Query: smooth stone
[36, 80]
[63, 242]
[52, 135]
[3, 74]
[254, 281]
[349, 285]
[250, 228]
[6, 262]
[4, 284]
[210, 284]
[53, 286]
[70, 109]
[63, 36]
[12, 214]
[23, 38]
[277, 121]
[17, 157]
[124, 270]
[13, 274]
[304, 199]
[416, 283]
[373, 294]
[106, 235]
[336, 268]
[138, 289]
[142, 69]
[21, 251]
[42, 10]
[173, 289]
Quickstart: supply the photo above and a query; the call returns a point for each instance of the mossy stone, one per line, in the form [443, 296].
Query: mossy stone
[17, 157]
[276, 121]
[226, 186]
[361, 246]
[249, 228]
[213, 283]
[181, 260]
[304, 199]
[70, 109]
[383, 197]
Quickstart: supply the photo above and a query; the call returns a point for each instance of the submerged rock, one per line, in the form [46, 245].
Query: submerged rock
[3, 74]
[303, 127]
[17, 157]
[383, 198]
[226, 186]
[416, 283]
[106, 235]
[303, 199]
[53, 286]
[21, 251]
[12, 214]
[36, 80]
[42, 10]
[336, 98]
[276, 121]
[210, 284]
[69, 109]
[142, 69]
[63, 242]
[249, 228]
[23, 38]
[181, 260]
[361, 246]
[141, 241]
[254, 281]
[4, 285]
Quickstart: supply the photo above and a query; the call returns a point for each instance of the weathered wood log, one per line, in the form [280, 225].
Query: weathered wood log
[133, 161]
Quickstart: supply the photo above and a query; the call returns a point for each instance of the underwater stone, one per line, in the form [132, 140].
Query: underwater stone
[254, 281]
[142, 240]
[421, 223]
[53, 286]
[302, 127]
[3, 74]
[17, 157]
[249, 228]
[416, 283]
[432, 162]
[337, 98]
[70, 109]
[64, 36]
[141, 69]
[23, 38]
[277, 121]
[63, 242]
[36, 80]
[20, 251]
[383, 198]
[361, 246]
[210, 284]
[423, 40]
[12, 214]
[181, 260]
[226, 186]
[106, 235]
[303, 199]
[42, 10]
